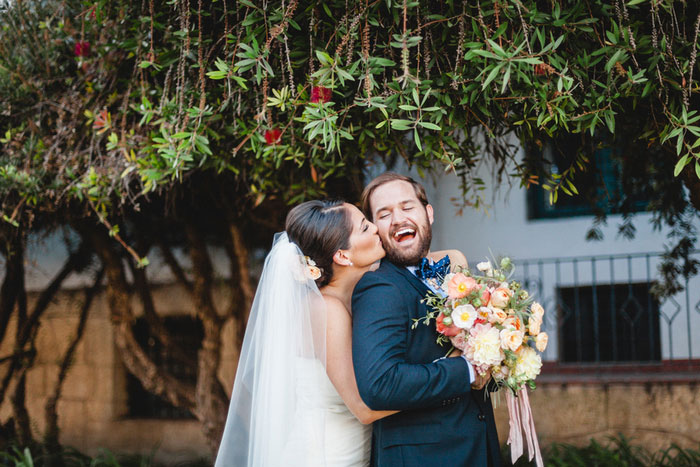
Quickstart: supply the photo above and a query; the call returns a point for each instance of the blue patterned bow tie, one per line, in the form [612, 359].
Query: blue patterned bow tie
[438, 270]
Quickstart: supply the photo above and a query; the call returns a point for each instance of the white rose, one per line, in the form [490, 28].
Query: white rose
[528, 364]
[463, 316]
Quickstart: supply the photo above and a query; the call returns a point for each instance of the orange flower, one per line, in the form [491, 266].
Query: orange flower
[460, 286]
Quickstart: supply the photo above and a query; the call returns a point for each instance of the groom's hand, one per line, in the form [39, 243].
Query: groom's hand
[481, 380]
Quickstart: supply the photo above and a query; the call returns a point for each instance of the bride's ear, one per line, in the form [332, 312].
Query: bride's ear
[341, 258]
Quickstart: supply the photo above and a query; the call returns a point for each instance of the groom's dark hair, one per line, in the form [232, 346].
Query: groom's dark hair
[387, 177]
[319, 229]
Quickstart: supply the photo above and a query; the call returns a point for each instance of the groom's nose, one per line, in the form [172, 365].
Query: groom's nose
[397, 216]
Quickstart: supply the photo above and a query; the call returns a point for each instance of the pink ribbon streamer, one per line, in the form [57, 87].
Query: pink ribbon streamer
[521, 420]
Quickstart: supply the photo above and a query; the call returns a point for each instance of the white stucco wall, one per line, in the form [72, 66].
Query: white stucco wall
[504, 229]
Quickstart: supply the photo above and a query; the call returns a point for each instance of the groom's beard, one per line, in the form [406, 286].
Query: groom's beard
[401, 257]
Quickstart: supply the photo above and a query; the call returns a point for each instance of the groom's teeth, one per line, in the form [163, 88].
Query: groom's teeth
[399, 234]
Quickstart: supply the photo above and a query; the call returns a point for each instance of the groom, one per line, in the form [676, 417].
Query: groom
[444, 419]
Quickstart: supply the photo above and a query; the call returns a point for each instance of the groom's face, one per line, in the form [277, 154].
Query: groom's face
[402, 221]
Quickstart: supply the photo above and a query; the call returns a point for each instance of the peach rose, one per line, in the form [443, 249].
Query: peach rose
[497, 316]
[500, 297]
[513, 322]
[533, 324]
[537, 310]
[541, 341]
[511, 340]
[460, 286]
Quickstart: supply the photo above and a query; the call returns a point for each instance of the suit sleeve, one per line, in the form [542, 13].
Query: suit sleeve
[385, 379]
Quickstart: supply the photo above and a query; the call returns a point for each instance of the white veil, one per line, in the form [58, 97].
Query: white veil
[275, 417]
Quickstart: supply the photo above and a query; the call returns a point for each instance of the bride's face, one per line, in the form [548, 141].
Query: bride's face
[365, 244]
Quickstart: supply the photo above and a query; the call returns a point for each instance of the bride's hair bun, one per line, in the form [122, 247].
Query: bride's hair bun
[319, 229]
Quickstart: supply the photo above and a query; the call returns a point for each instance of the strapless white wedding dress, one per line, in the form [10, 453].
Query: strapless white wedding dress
[343, 441]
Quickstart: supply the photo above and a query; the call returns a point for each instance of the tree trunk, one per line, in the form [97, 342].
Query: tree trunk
[19, 411]
[156, 328]
[154, 379]
[210, 395]
[241, 284]
[11, 284]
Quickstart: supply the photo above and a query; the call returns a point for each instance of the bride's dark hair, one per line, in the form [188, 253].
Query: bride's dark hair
[319, 229]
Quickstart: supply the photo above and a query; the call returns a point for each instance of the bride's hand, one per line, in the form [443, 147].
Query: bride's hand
[455, 353]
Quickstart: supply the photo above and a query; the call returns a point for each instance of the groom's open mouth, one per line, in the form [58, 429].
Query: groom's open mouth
[404, 234]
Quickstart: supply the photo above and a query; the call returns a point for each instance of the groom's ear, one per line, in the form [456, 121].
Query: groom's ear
[340, 257]
[429, 211]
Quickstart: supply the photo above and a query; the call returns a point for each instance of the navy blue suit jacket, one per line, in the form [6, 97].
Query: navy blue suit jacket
[442, 421]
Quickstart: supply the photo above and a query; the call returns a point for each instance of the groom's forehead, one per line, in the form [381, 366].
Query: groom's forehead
[391, 194]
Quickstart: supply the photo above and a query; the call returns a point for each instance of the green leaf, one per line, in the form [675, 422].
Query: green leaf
[491, 76]
[506, 78]
[416, 138]
[401, 125]
[429, 125]
[680, 165]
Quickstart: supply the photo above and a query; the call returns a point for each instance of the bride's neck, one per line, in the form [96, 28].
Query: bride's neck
[342, 285]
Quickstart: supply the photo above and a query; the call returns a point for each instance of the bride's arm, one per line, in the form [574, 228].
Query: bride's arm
[457, 258]
[339, 362]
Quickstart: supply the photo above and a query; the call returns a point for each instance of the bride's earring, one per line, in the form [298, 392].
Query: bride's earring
[350, 263]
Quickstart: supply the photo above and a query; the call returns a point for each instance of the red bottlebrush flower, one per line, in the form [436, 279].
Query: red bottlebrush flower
[82, 49]
[320, 94]
[103, 121]
[273, 136]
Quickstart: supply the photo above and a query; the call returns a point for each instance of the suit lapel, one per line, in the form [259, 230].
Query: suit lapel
[411, 278]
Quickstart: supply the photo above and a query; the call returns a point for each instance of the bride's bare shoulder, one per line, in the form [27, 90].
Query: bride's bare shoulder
[334, 304]
[457, 258]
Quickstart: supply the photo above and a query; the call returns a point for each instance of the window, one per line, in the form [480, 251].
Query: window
[599, 187]
[186, 333]
[608, 323]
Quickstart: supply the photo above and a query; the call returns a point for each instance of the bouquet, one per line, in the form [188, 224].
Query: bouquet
[497, 326]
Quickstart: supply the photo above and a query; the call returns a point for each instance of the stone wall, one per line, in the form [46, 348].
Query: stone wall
[653, 415]
[92, 410]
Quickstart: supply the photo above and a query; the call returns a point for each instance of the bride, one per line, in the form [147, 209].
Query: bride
[295, 401]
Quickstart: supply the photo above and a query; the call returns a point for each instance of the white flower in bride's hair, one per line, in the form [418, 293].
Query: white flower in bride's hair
[313, 272]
